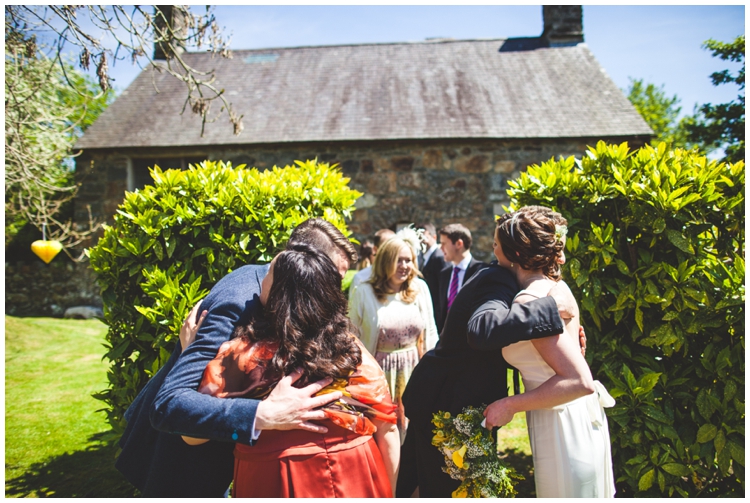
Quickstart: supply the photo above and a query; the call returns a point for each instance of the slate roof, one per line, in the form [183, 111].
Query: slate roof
[500, 88]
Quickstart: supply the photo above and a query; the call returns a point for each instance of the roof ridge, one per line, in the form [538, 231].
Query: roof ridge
[431, 41]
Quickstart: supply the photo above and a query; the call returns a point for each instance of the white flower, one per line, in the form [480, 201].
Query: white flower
[462, 426]
[412, 237]
[560, 232]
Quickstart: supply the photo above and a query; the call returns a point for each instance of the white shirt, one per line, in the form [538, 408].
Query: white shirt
[461, 273]
[359, 278]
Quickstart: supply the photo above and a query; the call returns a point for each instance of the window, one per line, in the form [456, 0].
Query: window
[139, 175]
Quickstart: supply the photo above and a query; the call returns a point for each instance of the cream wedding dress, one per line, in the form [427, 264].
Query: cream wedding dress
[570, 442]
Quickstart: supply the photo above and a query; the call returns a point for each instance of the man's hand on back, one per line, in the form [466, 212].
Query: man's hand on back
[289, 408]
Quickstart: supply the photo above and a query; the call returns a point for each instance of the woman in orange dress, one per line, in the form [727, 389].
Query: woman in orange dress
[304, 326]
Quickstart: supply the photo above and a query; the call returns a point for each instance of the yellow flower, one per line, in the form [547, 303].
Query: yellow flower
[439, 438]
[447, 415]
[461, 492]
[458, 456]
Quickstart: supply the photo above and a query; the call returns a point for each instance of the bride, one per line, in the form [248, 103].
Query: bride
[566, 422]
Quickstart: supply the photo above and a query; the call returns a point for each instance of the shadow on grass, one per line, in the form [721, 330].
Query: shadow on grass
[524, 465]
[82, 474]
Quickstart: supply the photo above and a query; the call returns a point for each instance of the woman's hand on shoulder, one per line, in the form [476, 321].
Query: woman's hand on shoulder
[191, 326]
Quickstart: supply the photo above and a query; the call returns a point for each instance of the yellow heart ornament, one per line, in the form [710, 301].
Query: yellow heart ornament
[46, 250]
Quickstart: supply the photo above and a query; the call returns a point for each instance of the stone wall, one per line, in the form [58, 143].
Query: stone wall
[442, 182]
[39, 289]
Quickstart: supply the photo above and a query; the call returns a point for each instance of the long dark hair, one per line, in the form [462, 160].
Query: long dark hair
[306, 316]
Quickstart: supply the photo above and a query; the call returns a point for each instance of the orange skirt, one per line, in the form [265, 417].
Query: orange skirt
[302, 464]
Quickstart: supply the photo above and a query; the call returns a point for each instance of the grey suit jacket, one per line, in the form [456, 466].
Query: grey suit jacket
[431, 274]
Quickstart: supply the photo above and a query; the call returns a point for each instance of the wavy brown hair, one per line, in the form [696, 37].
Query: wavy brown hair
[306, 316]
[528, 238]
[384, 266]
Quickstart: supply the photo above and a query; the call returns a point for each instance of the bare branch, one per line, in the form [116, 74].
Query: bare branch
[39, 134]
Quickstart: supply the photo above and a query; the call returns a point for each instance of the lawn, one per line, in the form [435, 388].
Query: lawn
[52, 429]
[53, 434]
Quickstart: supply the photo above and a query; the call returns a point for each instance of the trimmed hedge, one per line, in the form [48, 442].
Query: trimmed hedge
[171, 242]
[656, 249]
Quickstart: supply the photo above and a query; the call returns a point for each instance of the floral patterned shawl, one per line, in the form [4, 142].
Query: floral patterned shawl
[241, 370]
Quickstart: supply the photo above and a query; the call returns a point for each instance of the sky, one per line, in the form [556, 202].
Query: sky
[659, 44]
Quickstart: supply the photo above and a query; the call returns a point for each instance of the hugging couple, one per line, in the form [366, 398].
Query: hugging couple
[271, 388]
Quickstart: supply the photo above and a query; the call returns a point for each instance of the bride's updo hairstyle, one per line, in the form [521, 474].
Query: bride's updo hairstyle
[306, 316]
[533, 237]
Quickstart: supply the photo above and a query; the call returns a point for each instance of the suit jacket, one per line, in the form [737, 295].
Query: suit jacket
[154, 457]
[444, 283]
[466, 368]
[431, 274]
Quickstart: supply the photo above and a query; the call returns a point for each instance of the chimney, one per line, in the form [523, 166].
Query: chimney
[176, 17]
[563, 25]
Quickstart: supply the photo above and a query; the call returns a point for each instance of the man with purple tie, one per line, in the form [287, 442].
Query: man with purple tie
[455, 242]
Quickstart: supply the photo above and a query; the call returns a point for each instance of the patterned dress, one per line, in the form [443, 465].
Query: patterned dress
[399, 325]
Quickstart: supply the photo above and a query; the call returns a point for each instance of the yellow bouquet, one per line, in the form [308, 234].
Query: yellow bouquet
[470, 452]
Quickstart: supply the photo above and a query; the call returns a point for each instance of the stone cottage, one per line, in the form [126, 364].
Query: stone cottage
[429, 131]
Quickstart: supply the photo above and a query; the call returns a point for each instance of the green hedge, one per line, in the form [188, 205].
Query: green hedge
[171, 242]
[656, 249]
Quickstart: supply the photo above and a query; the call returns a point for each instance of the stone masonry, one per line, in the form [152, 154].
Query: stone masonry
[402, 182]
[39, 289]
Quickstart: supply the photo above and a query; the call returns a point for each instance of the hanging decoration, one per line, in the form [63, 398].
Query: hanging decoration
[46, 250]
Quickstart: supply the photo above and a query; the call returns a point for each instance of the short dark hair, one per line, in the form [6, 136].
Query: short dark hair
[323, 236]
[382, 236]
[454, 232]
[428, 227]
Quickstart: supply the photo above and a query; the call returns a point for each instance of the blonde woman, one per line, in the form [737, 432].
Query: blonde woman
[393, 314]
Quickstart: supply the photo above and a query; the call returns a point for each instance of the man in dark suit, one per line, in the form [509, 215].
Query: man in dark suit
[154, 457]
[455, 242]
[467, 368]
[432, 261]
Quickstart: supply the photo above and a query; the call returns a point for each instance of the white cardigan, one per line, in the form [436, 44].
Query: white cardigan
[363, 311]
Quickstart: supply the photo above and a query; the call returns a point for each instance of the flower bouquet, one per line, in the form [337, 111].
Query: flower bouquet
[471, 456]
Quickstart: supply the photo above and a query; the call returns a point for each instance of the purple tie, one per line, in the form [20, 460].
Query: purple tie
[454, 287]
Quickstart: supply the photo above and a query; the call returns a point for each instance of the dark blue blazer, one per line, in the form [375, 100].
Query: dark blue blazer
[154, 457]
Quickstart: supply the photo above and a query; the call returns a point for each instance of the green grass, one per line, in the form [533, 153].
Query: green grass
[513, 442]
[53, 433]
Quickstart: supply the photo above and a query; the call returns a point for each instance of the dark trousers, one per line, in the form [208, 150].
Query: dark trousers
[422, 465]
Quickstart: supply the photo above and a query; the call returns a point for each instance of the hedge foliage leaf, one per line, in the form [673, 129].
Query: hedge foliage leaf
[172, 241]
[656, 259]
